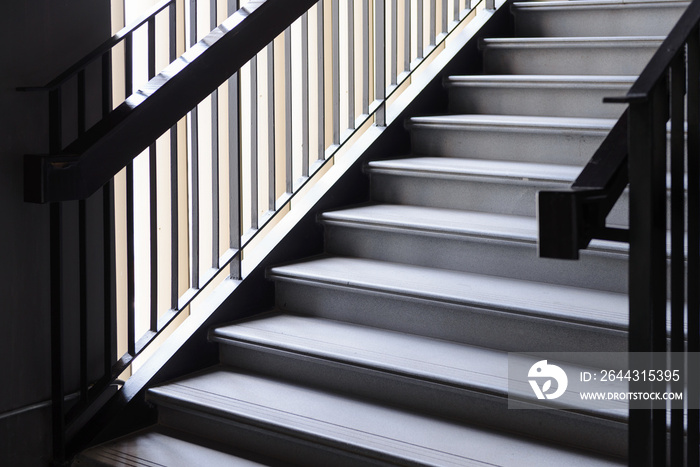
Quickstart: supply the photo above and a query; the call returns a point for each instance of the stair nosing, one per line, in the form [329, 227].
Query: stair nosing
[596, 4]
[572, 42]
[540, 124]
[457, 168]
[584, 82]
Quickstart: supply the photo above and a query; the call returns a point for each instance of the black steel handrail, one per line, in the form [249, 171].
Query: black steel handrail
[659, 155]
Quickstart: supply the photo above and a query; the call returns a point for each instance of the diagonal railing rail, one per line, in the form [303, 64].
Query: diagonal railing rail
[659, 155]
[155, 201]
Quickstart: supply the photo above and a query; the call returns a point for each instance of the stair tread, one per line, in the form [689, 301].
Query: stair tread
[541, 80]
[440, 221]
[517, 121]
[597, 4]
[159, 446]
[355, 425]
[462, 167]
[565, 303]
[596, 41]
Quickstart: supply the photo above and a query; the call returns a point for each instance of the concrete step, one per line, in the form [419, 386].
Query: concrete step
[486, 243]
[161, 446]
[450, 380]
[568, 56]
[596, 18]
[537, 95]
[313, 427]
[550, 140]
[499, 187]
[500, 313]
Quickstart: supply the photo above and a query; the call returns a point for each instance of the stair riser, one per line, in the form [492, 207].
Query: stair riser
[470, 324]
[557, 146]
[502, 198]
[252, 437]
[580, 60]
[605, 436]
[519, 260]
[623, 20]
[545, 101]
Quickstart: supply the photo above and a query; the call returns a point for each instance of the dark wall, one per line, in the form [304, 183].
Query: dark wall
[40, 39]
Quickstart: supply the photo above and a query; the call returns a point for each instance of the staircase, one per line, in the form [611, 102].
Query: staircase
[391, 348]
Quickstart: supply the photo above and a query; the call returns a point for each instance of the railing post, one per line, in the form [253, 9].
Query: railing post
[647, 265]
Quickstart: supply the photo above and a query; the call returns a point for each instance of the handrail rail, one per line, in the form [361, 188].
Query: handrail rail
[96, 157]
[100, 50]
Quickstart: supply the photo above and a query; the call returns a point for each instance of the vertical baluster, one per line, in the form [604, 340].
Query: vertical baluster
[351, 64]
[130, 253]
[419, 29]
[455, 10]
[393, 63]
[289, 188]
[407, 35]
[693, 435]
[254, 142]
[55, 119]
[234, 164]
[153, 189]
[305, 95]
[58, 421]
[174, 183]
[272, 178]
[109, 315]
[82, 254]
[380, 61]
[443, 15]
[365, 56]
[214, 157]
[433, 14]
[194, 164]
[57, 380]
[677, 246]
[335, 33]
[83, 287]
[81, 102]
[321, 83]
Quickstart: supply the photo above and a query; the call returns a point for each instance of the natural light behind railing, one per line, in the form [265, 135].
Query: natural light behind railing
[201, 194]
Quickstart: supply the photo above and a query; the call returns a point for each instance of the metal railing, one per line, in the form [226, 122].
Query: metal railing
[171, 186]
[659, 154]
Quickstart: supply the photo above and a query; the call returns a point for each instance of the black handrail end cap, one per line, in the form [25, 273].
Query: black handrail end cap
[557, 215]
[42, 181]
